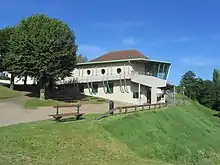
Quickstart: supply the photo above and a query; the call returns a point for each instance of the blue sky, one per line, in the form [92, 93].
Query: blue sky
[184, 32]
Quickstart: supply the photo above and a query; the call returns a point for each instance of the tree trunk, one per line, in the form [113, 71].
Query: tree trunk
[42, 88]
[12, 82]
[25, 81]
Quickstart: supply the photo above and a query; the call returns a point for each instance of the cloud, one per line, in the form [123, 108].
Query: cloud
[119, 25]
[199, 60]
[129, 41]
[91, 51]
[185, 39]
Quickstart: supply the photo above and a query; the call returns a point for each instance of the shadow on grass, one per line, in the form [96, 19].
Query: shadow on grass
[62, 93]
[217, 115]
[70, 119]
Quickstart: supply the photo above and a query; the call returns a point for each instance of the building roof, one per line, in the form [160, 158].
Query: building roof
[120, 55]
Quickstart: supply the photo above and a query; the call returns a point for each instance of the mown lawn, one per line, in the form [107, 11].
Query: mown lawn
[73, 143]
[8, 93]
[186, 134]
[36, 102]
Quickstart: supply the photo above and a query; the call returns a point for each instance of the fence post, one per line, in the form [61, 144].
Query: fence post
[120, 110]
[125, 109]
[142, 107]
[57, 109]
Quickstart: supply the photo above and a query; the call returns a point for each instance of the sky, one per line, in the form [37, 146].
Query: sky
[184, 32]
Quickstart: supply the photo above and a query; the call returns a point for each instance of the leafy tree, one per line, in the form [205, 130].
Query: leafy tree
[43, 48]
[216, 82]
[189, 82]
[81, 59]
[5, 35]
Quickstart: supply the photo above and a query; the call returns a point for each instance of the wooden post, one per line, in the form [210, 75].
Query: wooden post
[78, 108]
[135, 108]
[142, 107]
[160, 105]
[57, 109]
[120, 110]
[149, 107]
[126, 110]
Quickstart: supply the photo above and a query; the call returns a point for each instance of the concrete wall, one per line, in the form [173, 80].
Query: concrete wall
[119, 94]
[18, 81]
[110, 68]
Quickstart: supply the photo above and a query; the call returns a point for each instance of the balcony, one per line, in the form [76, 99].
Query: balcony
[147, 80]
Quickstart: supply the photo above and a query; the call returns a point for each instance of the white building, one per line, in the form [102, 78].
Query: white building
[126, 76]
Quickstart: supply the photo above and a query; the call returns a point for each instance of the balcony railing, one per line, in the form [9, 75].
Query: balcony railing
[158, 75]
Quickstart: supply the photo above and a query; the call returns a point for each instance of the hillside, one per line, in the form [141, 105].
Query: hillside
[186, 134]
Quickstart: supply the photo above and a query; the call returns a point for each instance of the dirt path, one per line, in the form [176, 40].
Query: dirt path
[13, 113]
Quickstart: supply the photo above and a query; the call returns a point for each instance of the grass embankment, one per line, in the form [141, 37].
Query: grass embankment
[47, 142]
[8, 93]
[186, 134]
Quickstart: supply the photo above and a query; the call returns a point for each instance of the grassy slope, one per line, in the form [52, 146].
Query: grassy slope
[8, 93]
[47, 142]
[180, 134]
[187, 134]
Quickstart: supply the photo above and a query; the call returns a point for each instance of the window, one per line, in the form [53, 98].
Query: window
[88, 72]
[81, 88]
[135, 95]
[95, 88]
[119, 70]
[110, 87]
[103, 71]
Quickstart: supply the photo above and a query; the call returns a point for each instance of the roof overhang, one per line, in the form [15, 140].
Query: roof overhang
[125, 60]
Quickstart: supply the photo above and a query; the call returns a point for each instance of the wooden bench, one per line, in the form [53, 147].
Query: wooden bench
[58, 116]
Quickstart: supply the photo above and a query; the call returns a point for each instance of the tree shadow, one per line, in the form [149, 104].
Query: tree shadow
[217, 114]
[66, 93]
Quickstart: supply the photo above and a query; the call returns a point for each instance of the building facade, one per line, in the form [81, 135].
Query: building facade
[125, 76]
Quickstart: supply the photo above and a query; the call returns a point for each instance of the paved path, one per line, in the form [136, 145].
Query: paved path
[13, 113]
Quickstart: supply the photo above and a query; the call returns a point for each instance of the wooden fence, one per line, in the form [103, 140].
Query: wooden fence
[132, 108]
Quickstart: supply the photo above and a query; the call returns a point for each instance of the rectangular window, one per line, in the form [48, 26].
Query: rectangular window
[135, 95]
[81, 88]
[110, 87]
[95, 87]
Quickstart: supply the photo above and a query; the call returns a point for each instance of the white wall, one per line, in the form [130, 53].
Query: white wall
[110, 69]
[118, 95]
[18, 81]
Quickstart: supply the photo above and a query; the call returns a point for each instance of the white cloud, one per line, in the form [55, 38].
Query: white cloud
[185, 39]
[129, 41]
[91, 51]
[199, 60]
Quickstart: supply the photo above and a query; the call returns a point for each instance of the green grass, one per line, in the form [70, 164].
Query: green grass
[8, 93]
[186, 134]
[36, 102]
[83, 142]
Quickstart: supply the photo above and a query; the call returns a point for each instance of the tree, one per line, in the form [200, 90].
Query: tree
[216, 82]
[81, 59]
[43, 48]
[189, 82]
[5, 35]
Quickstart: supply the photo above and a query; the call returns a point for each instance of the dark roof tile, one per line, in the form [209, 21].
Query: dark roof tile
[119, 55]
